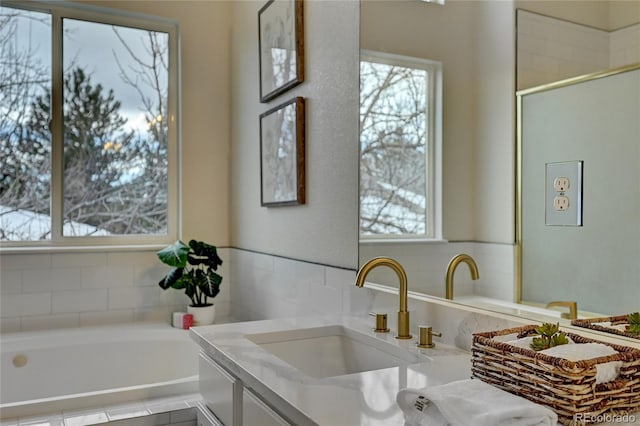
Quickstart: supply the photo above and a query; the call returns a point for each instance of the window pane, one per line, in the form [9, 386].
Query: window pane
[25, 140]
[393, 157]
[115, 130]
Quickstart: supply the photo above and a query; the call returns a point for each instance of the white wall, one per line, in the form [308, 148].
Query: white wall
[551, 49]
[624, 46]
[444, 34]
[493, 98]
[323, 230]
[475, 42]
[593, 13]
[606, 15]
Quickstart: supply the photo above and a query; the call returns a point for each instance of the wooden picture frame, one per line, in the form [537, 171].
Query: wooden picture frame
[281, 47]
[282, 154]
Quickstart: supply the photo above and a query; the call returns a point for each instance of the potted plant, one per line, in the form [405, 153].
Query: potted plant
[193, 269]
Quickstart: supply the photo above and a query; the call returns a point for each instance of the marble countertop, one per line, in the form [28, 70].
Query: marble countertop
[367, 398]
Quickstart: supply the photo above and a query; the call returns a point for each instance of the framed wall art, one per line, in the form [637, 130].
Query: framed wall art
[281, 47]
[282, 154]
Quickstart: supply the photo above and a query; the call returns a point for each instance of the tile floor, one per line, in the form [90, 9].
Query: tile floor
[174, 411]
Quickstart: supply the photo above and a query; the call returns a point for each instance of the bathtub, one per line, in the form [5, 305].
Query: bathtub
[82, 368]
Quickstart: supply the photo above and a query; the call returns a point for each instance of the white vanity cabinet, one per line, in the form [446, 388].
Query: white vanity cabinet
[220, 391]
[229, 401]
[255, 412]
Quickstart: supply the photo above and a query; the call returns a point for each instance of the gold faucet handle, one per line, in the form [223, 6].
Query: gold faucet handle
[573, 308]
[381, 322]
[426, 337]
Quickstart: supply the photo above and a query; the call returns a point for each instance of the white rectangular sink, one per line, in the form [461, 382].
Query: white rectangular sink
[333, 350]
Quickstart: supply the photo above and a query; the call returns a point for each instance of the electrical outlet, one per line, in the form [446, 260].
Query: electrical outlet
[561, 183]
[560, 202]
[563, 193]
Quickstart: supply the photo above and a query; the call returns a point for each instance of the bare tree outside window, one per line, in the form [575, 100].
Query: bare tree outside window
[115, 130]
[25, 159]
[394, 149]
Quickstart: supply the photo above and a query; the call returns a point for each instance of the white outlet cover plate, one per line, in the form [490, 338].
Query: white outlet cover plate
[572, 216]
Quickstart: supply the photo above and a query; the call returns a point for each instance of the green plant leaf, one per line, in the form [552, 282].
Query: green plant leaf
[559, 339]
[634, 329]
[193, 270]
[190, 288]
[547, 329]
[171, 278]
[549, 336]
[634, 319]
[209, 284]
[174, 255]
[204, 254]
[539, 343]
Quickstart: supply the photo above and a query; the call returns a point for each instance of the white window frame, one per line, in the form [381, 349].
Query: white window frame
[433, 147]
[64, 9]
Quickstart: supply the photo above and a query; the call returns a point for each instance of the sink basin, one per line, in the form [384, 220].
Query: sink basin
[333, 350]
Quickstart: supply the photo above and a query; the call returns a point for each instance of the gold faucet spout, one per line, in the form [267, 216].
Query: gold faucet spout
[403, 312]
[573, 308]
[451, 269]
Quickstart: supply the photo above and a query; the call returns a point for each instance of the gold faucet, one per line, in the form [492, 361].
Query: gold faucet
[451, 268]
[403, 312]
[573, 308]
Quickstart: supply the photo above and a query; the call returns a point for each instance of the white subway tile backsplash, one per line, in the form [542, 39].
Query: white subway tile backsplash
[255, 286]
[107, 276]
[133, 297]
[310, 274]
[22, 305]
[50, 322]
[326, 300]
[146, 275]
[132, 258]
[54, 279]
[157, 313]
[10, 325]
[84, 300]
[550, 49]
[339, 278]
[171, 297]
[62, 260]
[251, 260]
[24, 261]
[119, 316]
[10, 281]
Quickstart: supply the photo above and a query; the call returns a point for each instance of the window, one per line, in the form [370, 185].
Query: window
[400, 133]
[88, 126]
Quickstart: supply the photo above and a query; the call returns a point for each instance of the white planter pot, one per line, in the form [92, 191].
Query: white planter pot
[202, 315]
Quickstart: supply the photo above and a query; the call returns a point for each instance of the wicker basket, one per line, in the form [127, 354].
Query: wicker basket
[594, 324]
[567, 387]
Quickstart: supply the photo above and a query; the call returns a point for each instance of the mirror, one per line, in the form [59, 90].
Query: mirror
[460, 35]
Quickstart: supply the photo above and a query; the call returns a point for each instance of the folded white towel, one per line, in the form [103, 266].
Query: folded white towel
[607, 324]
[605, 372]
[525, 342]
[470, 402]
